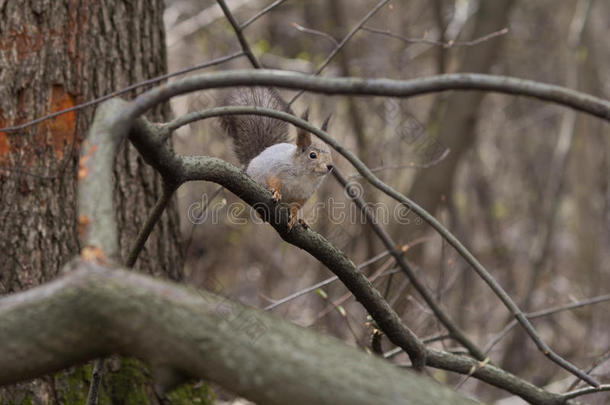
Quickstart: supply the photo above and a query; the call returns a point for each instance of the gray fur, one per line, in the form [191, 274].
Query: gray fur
[253, 134]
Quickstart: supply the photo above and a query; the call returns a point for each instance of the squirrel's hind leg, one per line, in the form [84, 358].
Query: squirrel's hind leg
[294, 214]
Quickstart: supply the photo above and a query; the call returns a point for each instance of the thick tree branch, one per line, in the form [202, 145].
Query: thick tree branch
[94, 312]
[148, 139]
[358, 86]
[385, 188]
[181, 332]
[96, 214]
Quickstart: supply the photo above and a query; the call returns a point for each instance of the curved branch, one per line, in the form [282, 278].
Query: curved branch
[365, 87]
[145, 135]
[97, 227]
[147, 138]
[185, 333]
[389, 244]
[431, 220]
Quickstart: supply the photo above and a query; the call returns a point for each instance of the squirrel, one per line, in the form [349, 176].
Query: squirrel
[292, 171]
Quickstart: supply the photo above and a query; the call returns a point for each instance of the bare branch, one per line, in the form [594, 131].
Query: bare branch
[197, 22]
[546, 312]
[219, 340]
[261, 13]
[96, 220]
[277, 303]
[147, 138]
[494, 376]
[315, 32]
[586, 391]
[240, 36]
[389, 244]
[599, 361]
[465, 253]
[395, 88]
[448, 44]
[343, 42]
[411, 165]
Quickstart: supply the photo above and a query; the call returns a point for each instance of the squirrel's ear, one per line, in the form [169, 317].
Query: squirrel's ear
[303, 137]
[325, 123]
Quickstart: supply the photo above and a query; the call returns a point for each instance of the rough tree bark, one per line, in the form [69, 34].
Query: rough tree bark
[53, 56]
[267, 360]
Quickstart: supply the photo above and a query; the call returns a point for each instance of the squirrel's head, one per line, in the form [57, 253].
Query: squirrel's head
[313, 155]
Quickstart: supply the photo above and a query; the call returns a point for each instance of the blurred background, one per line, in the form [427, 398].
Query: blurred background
[522, 183]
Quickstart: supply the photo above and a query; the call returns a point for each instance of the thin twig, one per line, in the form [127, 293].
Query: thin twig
[261, 13]
[447, 44]
[407, 165]
[315, 32]
[322, 283]
[385, 238]
[344, 41]
[601, 360]
[342, 313]
[545, 312]
[585, 391]
[151, 221]
[381, 271]
[240, 36]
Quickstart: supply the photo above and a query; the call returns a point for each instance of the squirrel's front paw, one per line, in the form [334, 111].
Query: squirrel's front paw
[292, 221]
[276, 197]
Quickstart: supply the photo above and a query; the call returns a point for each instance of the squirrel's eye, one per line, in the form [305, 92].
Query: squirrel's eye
[313, 155]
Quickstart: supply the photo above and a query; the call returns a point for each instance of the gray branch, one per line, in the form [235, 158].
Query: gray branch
[430, 219]
[364, 87]
[148, 140]
[94, 312]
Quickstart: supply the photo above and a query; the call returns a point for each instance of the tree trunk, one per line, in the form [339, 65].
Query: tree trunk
[54, 56]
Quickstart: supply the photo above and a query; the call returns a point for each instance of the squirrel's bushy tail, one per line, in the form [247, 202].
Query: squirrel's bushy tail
[254, 133]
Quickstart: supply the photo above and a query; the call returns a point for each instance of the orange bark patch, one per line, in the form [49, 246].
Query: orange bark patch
[4, 146]
[93, 254]
[82, 162]
[61, 129]
[83, 223]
